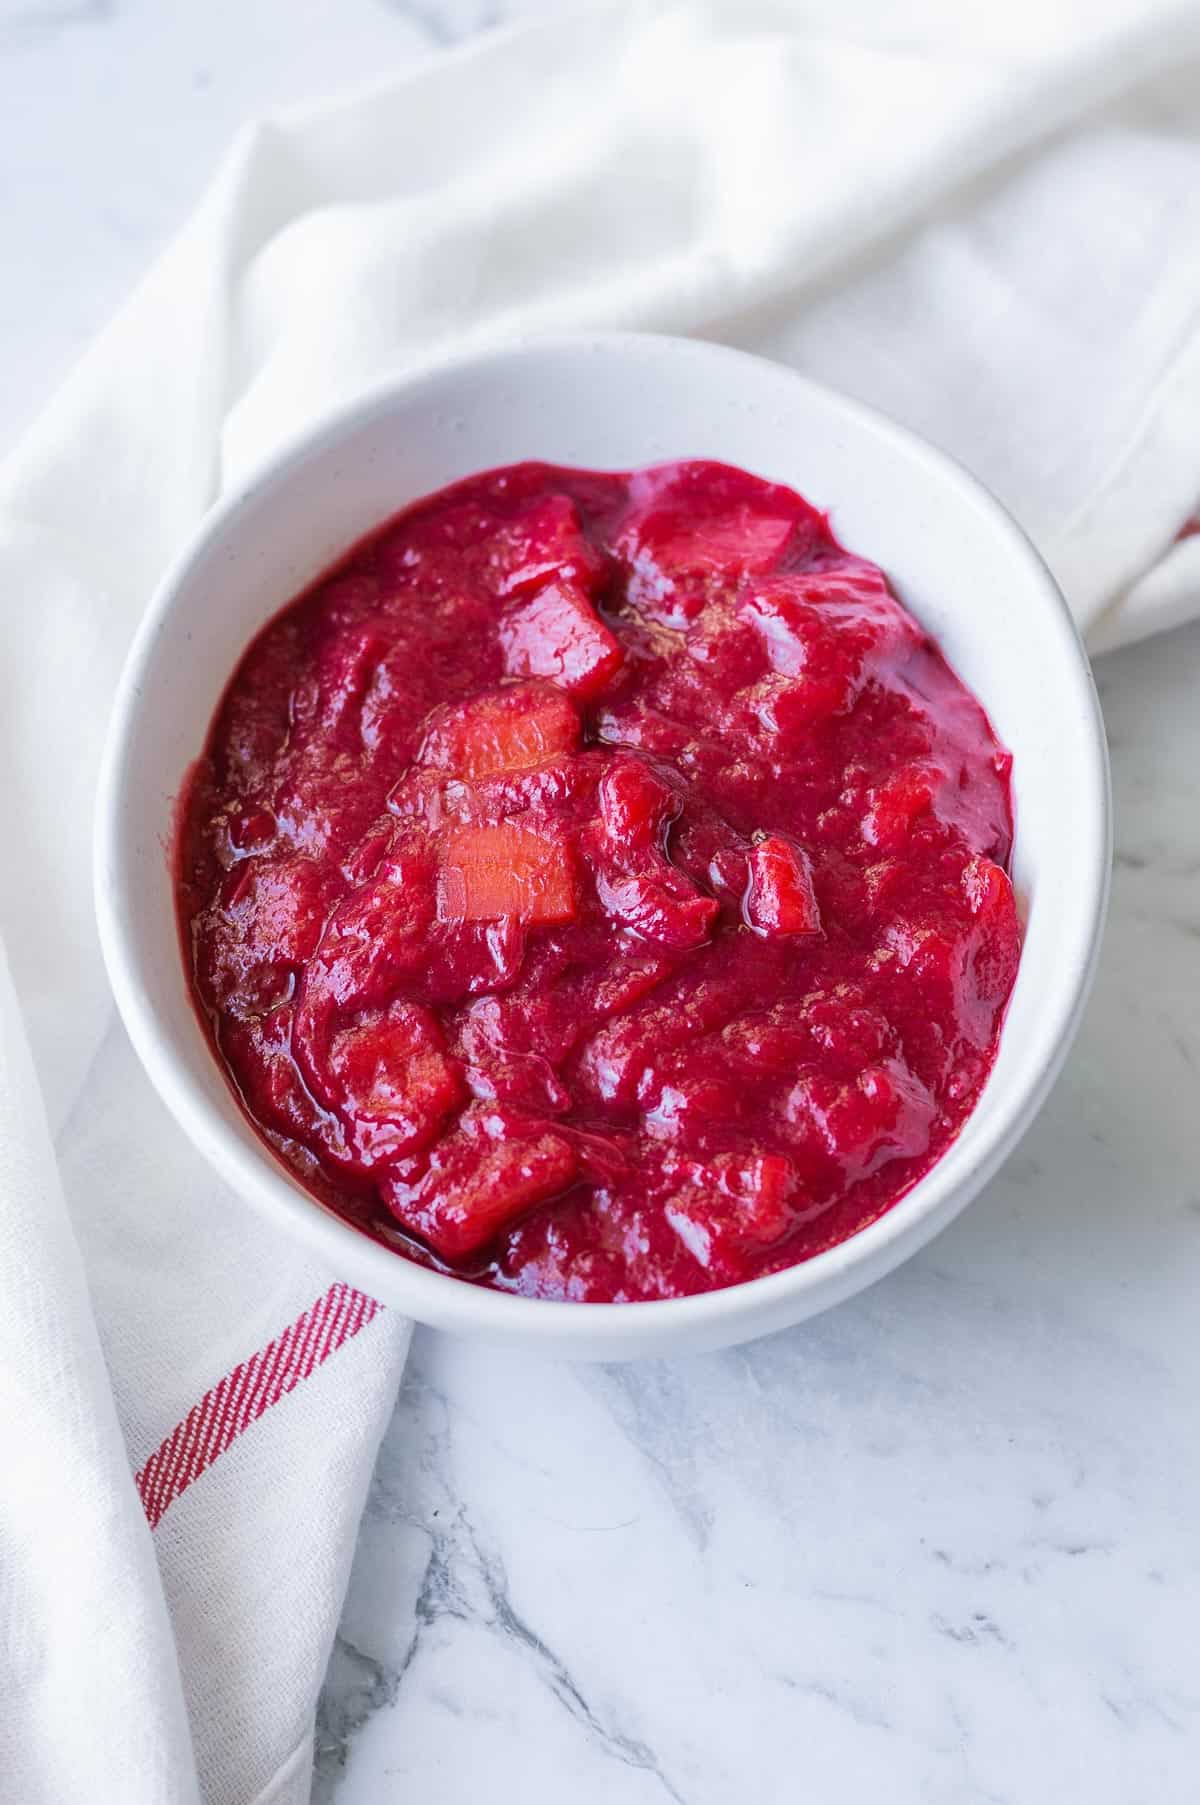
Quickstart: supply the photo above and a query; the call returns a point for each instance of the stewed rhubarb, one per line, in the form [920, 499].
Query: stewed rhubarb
[596, 886]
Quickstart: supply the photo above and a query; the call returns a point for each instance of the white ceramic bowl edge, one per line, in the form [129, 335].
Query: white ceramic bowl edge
[616, 401]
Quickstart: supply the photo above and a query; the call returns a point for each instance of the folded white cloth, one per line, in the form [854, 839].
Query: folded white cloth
[985, 220]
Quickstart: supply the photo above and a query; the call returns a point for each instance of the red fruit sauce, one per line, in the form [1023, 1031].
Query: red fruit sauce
[595, 885]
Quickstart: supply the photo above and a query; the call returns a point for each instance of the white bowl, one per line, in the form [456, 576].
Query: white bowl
[613, 402]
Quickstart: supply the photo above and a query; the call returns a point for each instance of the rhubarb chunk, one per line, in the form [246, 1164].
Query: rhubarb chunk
[635, 804]
[905, 797]
[779, 896]
[660, 904]
[741, 540]
[395, 1082]
[489, 873]
[883, 1113]
[709, 517]
[497, 1166]
[558, 634]
[278, 907]
[824, 633]
[514, 729]
[547, 540]
[730, 1202]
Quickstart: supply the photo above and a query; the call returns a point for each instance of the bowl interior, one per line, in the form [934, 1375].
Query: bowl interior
[955, 559]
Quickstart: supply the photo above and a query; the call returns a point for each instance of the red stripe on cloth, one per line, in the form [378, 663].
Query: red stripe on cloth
[242, 1396]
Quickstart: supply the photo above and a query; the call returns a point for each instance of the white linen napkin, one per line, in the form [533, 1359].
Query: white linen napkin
[984, 220]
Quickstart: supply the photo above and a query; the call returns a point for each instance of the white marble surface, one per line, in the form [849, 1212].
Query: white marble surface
[935, 1548]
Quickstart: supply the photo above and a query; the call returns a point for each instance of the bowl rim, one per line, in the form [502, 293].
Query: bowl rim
[441, 1299]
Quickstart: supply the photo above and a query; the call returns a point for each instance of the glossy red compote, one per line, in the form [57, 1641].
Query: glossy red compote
[595, 885]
